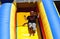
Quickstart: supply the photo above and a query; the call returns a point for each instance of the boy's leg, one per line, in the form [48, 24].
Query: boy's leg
[34, 28]
[29, 28]
[30, 25]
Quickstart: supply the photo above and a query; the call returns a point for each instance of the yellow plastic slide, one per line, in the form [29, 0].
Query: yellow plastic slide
[22, 31]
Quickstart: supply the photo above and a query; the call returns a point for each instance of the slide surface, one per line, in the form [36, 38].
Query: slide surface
[22, 31]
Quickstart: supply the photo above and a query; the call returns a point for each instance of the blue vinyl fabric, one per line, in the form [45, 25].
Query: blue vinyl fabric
[53, 18]
[0, 5]
[59, 19]
[5, 20]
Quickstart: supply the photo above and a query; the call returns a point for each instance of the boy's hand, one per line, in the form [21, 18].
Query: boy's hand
[24, 24]
[38, 15]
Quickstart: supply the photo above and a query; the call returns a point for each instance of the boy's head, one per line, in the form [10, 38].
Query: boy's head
[31, 13]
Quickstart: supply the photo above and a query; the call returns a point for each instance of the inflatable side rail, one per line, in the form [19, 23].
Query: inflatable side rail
[5, 20]
[53, 18]
[59, 19]
[0, 5]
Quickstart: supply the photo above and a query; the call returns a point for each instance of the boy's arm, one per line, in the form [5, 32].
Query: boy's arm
[24, 24]
[37, 16]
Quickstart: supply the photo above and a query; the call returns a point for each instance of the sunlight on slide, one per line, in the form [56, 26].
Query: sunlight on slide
[22, 31]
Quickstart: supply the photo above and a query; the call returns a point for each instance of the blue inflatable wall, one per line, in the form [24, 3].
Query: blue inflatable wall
[5, 20]
[59, 19]
[53, 18]
[0, 5]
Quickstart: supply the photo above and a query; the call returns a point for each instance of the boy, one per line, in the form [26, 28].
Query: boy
[31, 22]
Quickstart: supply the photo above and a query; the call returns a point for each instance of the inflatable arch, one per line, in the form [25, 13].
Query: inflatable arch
[49, 20]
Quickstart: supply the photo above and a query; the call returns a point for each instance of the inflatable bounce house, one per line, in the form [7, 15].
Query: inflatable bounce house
[12, 17]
